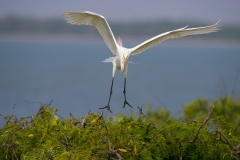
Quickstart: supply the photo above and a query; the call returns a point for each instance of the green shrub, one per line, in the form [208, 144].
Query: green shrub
[202, 133]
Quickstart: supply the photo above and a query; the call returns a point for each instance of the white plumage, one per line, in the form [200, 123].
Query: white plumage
[120, 61]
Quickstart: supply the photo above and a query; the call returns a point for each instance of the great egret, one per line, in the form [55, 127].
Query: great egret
[120, 61]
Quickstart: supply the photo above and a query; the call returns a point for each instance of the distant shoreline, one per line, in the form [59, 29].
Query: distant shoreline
[127, 40]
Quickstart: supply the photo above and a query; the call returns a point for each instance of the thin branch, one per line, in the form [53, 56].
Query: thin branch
[6, 140]
[45, 105]
[108, 137]
[154, 125]
[141, 113]
[161, 103]
[49, 104]
[147, 145]
[140, 110]
[14, 117]
[40, 111]
[226, 141]
[25, 124]
[113, 151]
[69, 157]
[83, 124]
[100, 116]
[64, 137]
[58, 115]
[2, 115]
[201, 126]
[31, 102]
[116, 153]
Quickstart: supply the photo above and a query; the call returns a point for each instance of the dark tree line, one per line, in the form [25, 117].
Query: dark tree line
[14, 25]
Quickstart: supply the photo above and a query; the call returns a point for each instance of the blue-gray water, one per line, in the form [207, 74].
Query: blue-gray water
[72, 75]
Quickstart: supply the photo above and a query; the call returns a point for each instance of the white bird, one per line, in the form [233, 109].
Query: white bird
[122, 54]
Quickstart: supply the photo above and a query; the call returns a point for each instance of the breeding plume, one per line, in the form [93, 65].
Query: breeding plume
[122, 54]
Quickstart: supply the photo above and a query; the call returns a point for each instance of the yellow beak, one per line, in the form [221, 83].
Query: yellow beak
[125, 62]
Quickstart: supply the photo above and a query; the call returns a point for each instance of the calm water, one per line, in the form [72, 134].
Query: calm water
[74, 77]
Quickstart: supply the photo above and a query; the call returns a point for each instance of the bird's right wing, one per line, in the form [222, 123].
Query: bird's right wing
[96, 20]
[173, 34]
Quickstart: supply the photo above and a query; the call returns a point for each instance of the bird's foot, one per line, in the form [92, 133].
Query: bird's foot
[126, 102]
[108, 108]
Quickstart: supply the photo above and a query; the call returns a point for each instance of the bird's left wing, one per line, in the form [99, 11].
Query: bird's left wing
[96, 20]
[173, 34]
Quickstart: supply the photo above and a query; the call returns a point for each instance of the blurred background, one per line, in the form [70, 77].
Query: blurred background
[42, 58]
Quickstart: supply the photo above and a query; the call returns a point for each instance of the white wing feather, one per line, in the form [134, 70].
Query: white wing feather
[110, 59]
[96, 20]
[173, 34]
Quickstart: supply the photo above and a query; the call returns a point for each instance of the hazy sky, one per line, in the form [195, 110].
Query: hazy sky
[205, 10]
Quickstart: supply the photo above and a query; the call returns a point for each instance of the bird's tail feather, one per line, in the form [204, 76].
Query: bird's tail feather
[110, 59]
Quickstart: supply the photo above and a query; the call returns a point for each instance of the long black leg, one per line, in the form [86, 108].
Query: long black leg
[108, 106]
[124, 92]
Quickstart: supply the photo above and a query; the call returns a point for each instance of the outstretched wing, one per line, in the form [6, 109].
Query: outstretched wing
[96, 20]
[173, 34]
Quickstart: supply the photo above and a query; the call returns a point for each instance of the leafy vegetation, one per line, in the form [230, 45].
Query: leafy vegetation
[207, 130]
